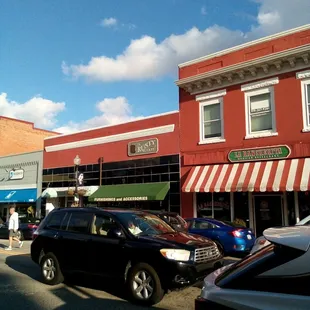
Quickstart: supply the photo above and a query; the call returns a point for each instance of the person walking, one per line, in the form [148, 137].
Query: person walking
[13, 228]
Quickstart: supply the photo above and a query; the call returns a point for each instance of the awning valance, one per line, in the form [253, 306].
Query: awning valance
[131, 192]
[18, 195]
[265, 176]
[54, 192]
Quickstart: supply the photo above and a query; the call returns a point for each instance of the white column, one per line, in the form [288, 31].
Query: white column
[66, 201]
[195, 204]
[296, 207]
[232, 207]
[251, 211]
[285, 209]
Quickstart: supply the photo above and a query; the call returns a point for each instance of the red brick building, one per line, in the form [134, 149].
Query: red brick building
[139, 153]
[18, 136]
[245, 131]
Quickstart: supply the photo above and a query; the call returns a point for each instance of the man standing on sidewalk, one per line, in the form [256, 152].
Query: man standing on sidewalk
[13, 228]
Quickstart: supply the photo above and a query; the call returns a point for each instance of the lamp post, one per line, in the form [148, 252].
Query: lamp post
[77, 162]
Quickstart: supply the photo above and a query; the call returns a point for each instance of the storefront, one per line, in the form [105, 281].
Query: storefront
[133, 165]
[20, 184]
[248, 158]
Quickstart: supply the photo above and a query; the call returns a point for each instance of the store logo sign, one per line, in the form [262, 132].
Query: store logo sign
[144, 147]
[259, 153]
[16, 174]
[10, 195]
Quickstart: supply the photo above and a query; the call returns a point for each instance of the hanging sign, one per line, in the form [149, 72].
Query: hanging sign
[259, 153]
[16, 174]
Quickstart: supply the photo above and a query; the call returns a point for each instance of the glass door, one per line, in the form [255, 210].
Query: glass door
[268, 212]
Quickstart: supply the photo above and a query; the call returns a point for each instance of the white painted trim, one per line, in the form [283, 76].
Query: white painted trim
[245, 45]
[296, 203]
[232, 207]
[285, 209]
[113, 138]
[208, 96]
[260, 84]
[12, 187]
[109, 126]
[251, 212]
[303, 75]
[202, 104]
[261, 134]
[305, 109]
[195, 205]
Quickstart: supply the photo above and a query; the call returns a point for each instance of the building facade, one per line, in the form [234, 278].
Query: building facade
[18, 137]
[245, 132]
[135, 164]
[21, 184]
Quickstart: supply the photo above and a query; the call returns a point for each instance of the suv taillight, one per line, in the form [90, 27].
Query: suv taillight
[236, 233]
[35, 235]
[32, 226]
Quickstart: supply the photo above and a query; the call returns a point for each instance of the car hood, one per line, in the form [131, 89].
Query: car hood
[177, 238]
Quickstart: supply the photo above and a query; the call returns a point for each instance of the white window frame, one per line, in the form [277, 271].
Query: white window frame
[205, 100]
[255, 89]
[304, 76]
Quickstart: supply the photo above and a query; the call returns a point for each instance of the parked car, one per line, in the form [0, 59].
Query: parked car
[172, 218]
[276, 277]
[136, 247]
[27, 227]
[229, 237]
[262, 242]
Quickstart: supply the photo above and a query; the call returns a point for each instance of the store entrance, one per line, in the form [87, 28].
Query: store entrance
[268, 212]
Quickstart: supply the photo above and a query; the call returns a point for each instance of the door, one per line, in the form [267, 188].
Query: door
[268, 212]
[106, 253]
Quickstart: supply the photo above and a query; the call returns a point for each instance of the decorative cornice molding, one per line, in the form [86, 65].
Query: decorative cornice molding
[212, 95]
[303, 75]
[260, 68]
[260, 84]
[113, 138]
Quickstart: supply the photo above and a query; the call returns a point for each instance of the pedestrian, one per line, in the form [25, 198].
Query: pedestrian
[13, 228]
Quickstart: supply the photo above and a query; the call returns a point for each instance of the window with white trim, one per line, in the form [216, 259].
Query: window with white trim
[211, 123]
[306, 103]
[260, 112]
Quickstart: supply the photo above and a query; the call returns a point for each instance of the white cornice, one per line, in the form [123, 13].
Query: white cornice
[303, 75]
[13, 187]
[262, 68]
[212, 95]
[245, 45]
[112, 138]
[260, 84]
[109, 126]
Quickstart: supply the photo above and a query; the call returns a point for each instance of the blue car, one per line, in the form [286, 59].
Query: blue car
[230, 238]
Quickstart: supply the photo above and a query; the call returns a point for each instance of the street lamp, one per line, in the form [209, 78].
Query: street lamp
[78, 177]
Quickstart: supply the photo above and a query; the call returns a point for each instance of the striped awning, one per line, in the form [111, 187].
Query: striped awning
[266, 176]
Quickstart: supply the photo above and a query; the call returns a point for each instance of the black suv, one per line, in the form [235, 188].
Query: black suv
[137, 247]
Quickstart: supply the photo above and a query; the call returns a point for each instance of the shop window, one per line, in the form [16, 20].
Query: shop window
[211, 122]
[304, 204]
[291, 208]
[174, 177]
[174, 168]
[214, 205]
[260, 109]
[241, 209]
[175, 187]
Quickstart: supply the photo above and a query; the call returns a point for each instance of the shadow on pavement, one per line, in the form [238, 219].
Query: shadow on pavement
[73, 293]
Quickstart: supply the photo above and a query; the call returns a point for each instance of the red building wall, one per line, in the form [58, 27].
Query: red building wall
[114, 151]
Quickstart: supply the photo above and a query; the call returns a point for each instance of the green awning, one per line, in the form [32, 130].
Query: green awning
[131, 192]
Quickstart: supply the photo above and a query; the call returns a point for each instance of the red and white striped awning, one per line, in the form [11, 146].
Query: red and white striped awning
[266, 176]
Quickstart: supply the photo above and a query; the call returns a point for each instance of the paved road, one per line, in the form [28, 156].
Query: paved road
[20, 288]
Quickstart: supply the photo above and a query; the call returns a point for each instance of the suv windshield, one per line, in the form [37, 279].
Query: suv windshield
[144, 224]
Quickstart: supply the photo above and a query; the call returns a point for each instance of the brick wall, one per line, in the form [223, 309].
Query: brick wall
[18, 136]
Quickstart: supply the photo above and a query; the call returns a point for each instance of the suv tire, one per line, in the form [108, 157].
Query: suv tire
[144, 285]
[50, 270]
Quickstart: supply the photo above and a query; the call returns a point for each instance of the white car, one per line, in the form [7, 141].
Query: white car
[261, 241]
[276, 277]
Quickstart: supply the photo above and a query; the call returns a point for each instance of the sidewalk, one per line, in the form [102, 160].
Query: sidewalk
[25, 250]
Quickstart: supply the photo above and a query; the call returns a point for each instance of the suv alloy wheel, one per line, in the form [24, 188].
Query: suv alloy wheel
[50, 270]
[144, 285]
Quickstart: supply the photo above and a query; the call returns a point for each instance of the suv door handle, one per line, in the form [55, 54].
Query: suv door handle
[57, 236]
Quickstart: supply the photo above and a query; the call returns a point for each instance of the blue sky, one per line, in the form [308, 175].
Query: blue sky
[47, 74]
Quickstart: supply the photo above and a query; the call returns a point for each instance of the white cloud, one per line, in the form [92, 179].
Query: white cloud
[112, 111]
[109, 22]
[203, 10]
[42, 112]
[145, 58]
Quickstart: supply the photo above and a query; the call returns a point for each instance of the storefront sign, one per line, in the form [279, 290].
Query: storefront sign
[143, 147]
[17, 174]
[260, 153]
[112, 199]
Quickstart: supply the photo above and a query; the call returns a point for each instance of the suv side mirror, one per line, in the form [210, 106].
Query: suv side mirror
[116, 233]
